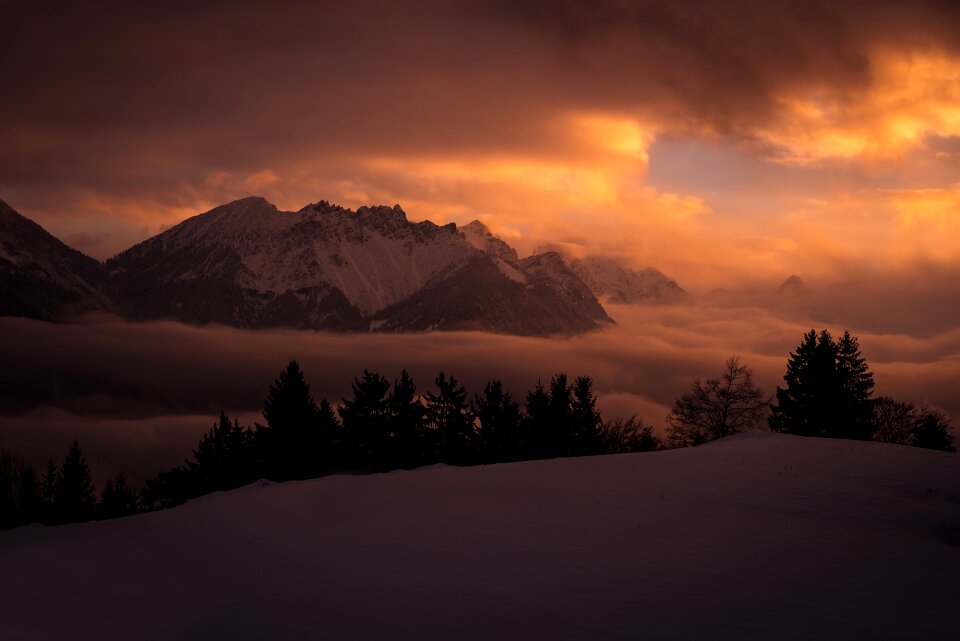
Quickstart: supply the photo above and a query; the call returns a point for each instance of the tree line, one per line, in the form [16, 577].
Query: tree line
[828, 393]
[383, 426]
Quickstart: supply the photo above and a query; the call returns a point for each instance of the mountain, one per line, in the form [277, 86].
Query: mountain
[612, 281]
[42, 278]
[248, 264]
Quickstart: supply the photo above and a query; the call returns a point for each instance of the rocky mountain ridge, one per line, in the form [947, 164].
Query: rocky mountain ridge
[247, 264]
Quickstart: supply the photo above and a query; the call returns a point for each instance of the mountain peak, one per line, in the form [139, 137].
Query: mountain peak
[479, 235]
[793, 285]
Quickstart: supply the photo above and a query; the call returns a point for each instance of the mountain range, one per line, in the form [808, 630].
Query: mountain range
[247, 264]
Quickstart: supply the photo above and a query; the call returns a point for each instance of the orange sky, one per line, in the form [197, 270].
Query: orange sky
[721, 142]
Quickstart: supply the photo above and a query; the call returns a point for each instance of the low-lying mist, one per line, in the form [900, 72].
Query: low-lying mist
[139, 395]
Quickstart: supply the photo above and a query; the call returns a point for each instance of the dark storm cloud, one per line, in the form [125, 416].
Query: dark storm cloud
[127, 96]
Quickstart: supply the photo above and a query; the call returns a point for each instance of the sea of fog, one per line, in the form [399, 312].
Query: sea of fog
[139, 395]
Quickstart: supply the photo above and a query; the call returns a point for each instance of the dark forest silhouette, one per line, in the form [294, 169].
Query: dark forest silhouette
[828, 393]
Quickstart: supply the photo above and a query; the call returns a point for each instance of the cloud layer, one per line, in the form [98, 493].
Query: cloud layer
[547, 121]
[141, 394]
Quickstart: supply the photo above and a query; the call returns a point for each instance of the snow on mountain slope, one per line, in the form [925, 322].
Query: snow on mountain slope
[617, 283]
[326, 267]
[42, 278]
[753, 537]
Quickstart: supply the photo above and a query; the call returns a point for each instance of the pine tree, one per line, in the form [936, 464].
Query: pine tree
[289, 407]
[828, 392]
[29, 504]
[406, 417]
[117, 498]
[292, 445]
[8, 481]
[498, 437]
[74, 494]
[856, 379]
[48, 490]
[585, 419]
[535, 424]
[366, 422]
[224, 457]
[452, 420]
[559, 431]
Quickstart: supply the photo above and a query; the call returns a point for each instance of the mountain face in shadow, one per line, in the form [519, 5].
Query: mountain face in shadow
[42, 278]
[246, 264]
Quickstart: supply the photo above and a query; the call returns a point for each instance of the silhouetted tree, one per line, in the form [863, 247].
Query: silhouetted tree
[718, 407]
[933, 431]
[585, 420]
[293, 443]
[856, 380]
[9, 464]
[169, 488]
[29, 503]
[225, 457]
[74, 495]
[48, 489]
[117, 498]
[894, 421]
[828, 390]
[366, 422]
[535, 424]
[559, 432]
[450, 416]
[498, 437]
[406, 418]
[626, 436]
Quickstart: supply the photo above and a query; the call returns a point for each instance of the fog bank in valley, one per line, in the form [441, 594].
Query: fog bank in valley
[139, 395]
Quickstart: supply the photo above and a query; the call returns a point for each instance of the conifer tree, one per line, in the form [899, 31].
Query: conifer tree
[224, 457]
[406, 417]
[117, 498]
[366, 421]
[585, 417]
[449, 414]
[856, 379]
[292, 443]
[536, 424]
[29, 504]
[828, 390]
[74, 494]
[559, 431]
[8, 481]
[498, 436]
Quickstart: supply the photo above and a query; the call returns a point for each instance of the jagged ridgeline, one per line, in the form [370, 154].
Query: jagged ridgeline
[247, 264]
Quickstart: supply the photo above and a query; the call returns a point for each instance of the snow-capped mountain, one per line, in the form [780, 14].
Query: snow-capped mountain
[42, 278]
[326, 267]
[616, 283]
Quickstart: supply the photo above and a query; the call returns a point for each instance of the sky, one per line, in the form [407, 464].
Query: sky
[730, 144]
[721, 142]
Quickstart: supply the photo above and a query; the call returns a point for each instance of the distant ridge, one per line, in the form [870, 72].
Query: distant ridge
[325, 267]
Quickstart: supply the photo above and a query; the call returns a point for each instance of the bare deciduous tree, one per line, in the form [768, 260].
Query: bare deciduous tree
[718, 407]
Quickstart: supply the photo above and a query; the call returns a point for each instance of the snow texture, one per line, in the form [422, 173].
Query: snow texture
[752, 537]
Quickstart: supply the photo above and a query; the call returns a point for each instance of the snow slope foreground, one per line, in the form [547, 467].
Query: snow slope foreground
[753, 537]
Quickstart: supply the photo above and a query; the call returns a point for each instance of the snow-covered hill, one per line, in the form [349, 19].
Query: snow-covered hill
[753, 537]
[249, 265]
[42, 278]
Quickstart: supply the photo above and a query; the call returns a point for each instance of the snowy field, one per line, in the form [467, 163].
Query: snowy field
[753, 537]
